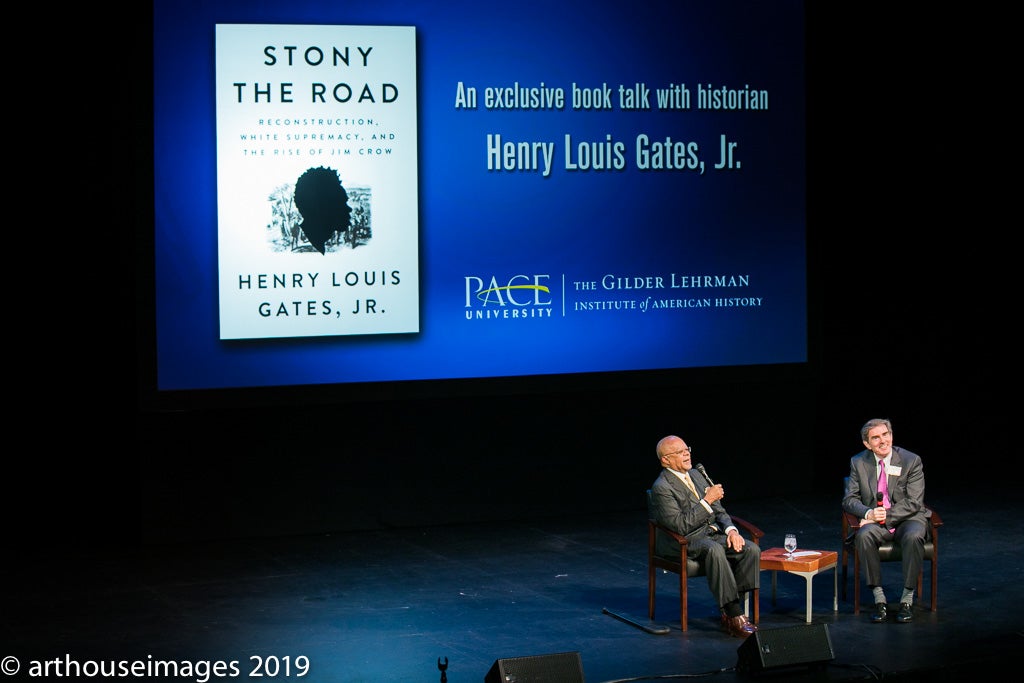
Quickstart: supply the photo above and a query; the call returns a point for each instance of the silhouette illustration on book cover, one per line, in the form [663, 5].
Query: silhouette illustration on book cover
[323, 202]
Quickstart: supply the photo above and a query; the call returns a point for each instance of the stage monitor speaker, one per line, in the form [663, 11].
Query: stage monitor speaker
[775, 648]
[561, 667]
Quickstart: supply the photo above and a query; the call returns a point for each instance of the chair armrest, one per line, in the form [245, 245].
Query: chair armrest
[751, 529]
[755, 533]
[850, 525]
[680, 539]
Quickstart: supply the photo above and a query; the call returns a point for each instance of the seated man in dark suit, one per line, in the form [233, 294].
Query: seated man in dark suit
[684, 501]
[885, 491]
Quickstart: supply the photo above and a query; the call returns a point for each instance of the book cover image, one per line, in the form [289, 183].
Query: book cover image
[317, 207]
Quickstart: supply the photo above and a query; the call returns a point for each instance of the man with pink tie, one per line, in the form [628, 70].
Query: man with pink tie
[885, 490]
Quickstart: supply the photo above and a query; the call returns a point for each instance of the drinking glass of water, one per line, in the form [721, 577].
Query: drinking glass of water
[790, 544]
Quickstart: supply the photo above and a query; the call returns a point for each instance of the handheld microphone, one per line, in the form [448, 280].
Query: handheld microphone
[700, 468]
[880, 501]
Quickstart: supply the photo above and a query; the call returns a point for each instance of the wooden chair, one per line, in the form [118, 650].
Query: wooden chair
[890, 552]
[684, 566]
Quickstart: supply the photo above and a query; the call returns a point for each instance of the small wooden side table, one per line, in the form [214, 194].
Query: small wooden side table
[805, 563]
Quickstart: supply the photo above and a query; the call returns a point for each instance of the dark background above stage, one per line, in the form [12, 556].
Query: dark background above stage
[907, 322]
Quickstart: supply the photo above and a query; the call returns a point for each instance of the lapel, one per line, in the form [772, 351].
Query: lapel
[699, 482]
[895, 460]
[678, 484]
[870, 463]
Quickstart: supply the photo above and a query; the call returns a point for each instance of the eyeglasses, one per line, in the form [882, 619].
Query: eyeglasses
[684, 451]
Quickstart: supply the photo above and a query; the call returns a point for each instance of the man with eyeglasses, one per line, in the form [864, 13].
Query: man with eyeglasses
[686, 502]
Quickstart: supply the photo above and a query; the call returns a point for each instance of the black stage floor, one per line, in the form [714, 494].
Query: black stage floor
[391, 605]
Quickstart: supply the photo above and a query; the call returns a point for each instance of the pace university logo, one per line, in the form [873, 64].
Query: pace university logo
[514, 297]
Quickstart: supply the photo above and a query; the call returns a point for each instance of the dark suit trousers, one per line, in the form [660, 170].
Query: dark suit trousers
[909, 535]
[730, 573]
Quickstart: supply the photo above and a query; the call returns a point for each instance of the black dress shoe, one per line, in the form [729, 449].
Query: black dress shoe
[881, 613]
[906, 613]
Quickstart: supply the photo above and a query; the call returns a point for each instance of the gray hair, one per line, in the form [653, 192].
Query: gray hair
[871, 424]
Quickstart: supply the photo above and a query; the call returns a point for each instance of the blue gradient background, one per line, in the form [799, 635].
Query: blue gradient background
[475, 222]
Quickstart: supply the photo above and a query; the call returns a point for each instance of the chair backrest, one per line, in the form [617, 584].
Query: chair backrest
[677, 563]
[656, 529]
[670, 562]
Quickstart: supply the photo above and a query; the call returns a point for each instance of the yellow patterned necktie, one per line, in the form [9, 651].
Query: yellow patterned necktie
[689, 484]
